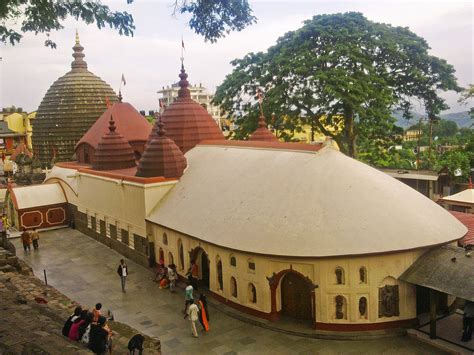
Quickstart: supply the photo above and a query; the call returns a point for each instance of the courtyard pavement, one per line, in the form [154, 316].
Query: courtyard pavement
[85, 270]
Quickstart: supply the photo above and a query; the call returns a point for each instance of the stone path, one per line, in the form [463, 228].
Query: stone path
[85, 271]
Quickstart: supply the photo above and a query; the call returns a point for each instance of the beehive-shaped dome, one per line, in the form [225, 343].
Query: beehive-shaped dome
[69, 108]
[187, 122]
[113, 151]
[162, 157]
[262, 133]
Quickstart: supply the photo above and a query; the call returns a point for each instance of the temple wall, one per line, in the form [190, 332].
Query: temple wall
[380, 270]
[112, 211]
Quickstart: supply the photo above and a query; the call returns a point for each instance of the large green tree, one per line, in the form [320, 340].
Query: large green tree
[211, 19]
[342, 75]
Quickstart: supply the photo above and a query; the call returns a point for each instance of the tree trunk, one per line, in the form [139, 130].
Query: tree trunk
[349, 135]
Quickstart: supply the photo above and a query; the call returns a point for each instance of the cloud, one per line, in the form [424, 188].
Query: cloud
[150, 59]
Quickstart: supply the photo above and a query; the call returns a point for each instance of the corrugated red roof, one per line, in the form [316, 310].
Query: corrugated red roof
[162, 157]
[266, 145]
[468, 220]
[187, 122]
[129, 122]
[113, 151]
[262, 133]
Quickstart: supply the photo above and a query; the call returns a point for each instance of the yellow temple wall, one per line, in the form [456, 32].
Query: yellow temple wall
[381, 270]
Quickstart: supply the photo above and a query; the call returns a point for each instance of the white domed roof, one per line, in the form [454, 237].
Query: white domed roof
[291, 203]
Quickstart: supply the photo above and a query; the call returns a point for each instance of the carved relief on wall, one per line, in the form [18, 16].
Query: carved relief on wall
[339, 307]
[389, 301]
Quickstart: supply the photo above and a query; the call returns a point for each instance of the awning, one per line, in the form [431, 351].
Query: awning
[448, 269]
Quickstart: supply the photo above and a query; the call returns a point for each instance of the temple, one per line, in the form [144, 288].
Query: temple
[276, 229]
[69, 108]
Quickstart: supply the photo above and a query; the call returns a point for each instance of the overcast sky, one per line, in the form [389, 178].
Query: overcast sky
[150, 59]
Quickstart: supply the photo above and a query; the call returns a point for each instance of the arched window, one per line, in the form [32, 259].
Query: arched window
[165, 239]
[363, 307]
[220, 280]
[251, 265]
[363, 275]
[340, 276]
[170, 258]
[252, 293]
[233, 261]
[233, 287]
[341, 307]
[181, 254]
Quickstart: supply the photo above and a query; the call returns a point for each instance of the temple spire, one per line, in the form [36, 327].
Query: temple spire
[78, 62]
[120, 96]
[183, 83]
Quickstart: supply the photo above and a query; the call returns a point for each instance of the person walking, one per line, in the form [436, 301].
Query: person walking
[122, 271]
[26, 240]
[193, 313]
[203, 313]
[188, 298]
[467, 321]
[172, 276]
[35, 238]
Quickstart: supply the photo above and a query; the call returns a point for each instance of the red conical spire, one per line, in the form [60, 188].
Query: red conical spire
[186, 121]
[262, 133]
[162, 157]
[113, 151]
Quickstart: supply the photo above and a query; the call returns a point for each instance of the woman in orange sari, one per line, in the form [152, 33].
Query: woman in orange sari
[203, 314]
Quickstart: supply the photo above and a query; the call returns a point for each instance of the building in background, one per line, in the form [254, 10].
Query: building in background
[199, 94]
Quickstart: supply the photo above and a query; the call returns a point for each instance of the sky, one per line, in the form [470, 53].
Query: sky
[150, 59]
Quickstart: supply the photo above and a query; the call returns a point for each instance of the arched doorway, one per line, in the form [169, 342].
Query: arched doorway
[202, 260]
[296, 297]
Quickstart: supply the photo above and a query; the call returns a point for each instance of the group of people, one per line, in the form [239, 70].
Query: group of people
[29, 237]
[195, 311]
[166, 276]
[90, 328]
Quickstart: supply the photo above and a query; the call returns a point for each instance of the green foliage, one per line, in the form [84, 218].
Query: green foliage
[46, 16]
[214, 19]
[453, 160]
[342, 75]
[211, 19]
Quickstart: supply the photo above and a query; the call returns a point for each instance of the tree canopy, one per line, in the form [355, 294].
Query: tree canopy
[340, 74]
[211, 19]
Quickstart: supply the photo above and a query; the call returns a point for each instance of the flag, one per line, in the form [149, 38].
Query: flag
[107, 101]
[123, 80]
[161, 103]
[3, 157]
[259, 94]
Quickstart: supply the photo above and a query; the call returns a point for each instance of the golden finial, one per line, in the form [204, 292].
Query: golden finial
[77, 37]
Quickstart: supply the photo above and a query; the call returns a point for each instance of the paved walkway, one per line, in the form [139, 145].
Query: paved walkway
[85, 271]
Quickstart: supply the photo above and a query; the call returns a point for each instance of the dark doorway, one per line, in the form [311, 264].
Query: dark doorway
[295, 297]
[200, 257]
[204, 270]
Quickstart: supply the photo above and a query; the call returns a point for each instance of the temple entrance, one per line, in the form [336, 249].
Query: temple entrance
[202, 260]
[295, 297]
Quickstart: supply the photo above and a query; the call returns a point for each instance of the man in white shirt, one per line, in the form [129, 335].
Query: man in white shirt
[122, 271]
[193, 312]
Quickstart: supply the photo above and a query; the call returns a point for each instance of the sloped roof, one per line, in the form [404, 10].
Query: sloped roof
[7, 132]
[64, 174]
[468, 220]
[37, 195]
[447, 269]
[129, 122]
[299, 203]
[466, 196]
